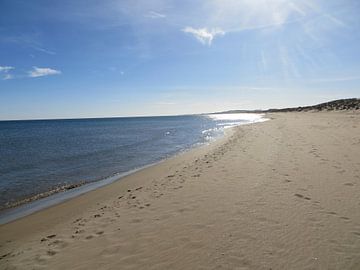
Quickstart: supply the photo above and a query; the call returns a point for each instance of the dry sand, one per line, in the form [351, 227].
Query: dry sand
[282, 194]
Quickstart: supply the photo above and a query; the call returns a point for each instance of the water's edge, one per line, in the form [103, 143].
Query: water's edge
[13, 213]
[53, 198]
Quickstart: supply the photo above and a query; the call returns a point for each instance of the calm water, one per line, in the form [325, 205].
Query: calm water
[37, 156]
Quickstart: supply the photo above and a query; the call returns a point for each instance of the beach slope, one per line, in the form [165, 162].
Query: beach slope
[282, 194]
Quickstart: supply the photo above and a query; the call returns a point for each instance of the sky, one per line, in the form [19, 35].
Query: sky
[105, 58]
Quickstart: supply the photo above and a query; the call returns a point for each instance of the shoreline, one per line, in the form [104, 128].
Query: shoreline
[12, 213]
[14, 204]
[278, 194]
[128, 182]
[58, 195]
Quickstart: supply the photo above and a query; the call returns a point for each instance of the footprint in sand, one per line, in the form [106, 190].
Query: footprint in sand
[5, 255]
[77, 220]
[51, 252]
[79, 231]
[302, 196]
[349, 184]
[47, 238]
[58, 244]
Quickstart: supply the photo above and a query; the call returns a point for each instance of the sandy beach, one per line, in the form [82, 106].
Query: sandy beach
[281, 194]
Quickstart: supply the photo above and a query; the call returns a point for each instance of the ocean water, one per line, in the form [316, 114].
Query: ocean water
[40, 155]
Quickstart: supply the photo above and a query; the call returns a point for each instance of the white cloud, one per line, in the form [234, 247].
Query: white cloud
[204, 35]
[40, 72]
[5, 68]
[155, 15]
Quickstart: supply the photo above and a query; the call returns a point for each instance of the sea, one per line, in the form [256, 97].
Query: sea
[41, 156]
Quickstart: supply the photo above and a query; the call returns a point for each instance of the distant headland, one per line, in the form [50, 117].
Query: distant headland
[335, 105]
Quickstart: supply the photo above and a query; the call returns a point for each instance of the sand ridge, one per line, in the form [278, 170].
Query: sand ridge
[282, 194]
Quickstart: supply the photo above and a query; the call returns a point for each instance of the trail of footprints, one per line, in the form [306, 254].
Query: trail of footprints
[316, 204]
[332, 214]
[53, 243]
[84, 228]
[300, 194]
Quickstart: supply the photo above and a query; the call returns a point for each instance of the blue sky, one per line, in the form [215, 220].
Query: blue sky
[64, 59]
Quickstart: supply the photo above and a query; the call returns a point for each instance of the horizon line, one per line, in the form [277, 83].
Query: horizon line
[170, 115]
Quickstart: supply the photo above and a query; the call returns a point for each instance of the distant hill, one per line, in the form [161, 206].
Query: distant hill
[335, 105]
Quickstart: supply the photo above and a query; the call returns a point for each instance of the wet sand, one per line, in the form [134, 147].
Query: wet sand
[282, 194]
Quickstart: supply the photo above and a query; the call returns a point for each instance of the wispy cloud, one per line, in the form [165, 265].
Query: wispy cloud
[155, 15]
[40, 72]
[5, 72]
[28, 40]
[44, 50]
[5, 68]
[204, 35]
